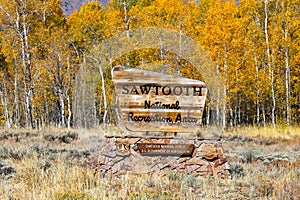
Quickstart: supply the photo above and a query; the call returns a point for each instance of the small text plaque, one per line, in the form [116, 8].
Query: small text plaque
[166, 149]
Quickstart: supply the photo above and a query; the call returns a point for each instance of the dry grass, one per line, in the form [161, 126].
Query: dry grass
[265, 165]
[280, 131]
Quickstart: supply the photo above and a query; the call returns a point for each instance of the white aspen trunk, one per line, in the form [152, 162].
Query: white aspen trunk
[16, 109]
[247, 112]
[76, 96]
[60, 90]
[236, 108]
[270, 68]
[83, 113]
[28, 108]
[126, 18]
[47, 110]
[162, 56]
[68, 97]
[264, 114]
[69, 112]
[218, 101]
[62, 106]
[42, 121]
[179, 53]
[16, 104]
[3, 97]
[257, 112]
[231, 116]
[257, 92]
[218, 107]
[224, 103]
[235, 113]
[94, 112]
[103, 89]
[287, 78]
[224, 108]
[273, 94]
[207, 115]
[266, 33]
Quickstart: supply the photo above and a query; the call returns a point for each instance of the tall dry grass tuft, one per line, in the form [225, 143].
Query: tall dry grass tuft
[37, 178]
[278, 132]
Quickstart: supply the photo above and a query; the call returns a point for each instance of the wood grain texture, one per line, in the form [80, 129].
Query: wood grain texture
[151, 101]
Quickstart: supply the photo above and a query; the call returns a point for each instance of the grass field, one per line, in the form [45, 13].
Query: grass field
[59, 164]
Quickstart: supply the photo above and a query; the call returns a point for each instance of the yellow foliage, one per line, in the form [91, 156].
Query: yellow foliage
[233, 35]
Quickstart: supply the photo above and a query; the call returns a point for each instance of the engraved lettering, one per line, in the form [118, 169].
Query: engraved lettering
[160, 105]
[178, 118]
[134, 90]
[197, 90]
[162, 90]
[168, 90]
[125, 89]
[177, 90]
[156, 89]
[145, 89]
[187, 90]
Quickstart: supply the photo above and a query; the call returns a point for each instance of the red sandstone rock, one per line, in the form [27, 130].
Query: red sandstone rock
[202, 174]
[174, 164]
[167, 141]
[210, 169]
[202, 169]
[196, 161]
[133, 140]
[194, 152]
[216, 163]
[207, 151]
[181, 160]
[182, 166]
[220, 151]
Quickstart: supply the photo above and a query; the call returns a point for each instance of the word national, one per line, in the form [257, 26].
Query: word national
[156, 102]
[160, 105]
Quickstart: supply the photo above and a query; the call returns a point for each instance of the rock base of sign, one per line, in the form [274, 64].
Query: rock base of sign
[160, 155]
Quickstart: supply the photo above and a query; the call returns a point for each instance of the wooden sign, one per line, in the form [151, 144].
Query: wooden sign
[151, 101]
[166, 149]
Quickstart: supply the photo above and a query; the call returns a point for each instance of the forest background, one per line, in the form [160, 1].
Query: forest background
[44, 57]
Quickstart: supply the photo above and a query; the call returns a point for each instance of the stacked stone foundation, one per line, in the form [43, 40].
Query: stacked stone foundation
[121, 155]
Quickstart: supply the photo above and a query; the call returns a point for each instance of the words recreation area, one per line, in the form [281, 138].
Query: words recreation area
[154, 110]
[150, 101]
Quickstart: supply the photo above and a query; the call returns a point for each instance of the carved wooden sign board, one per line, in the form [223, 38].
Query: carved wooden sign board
[157, 102]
